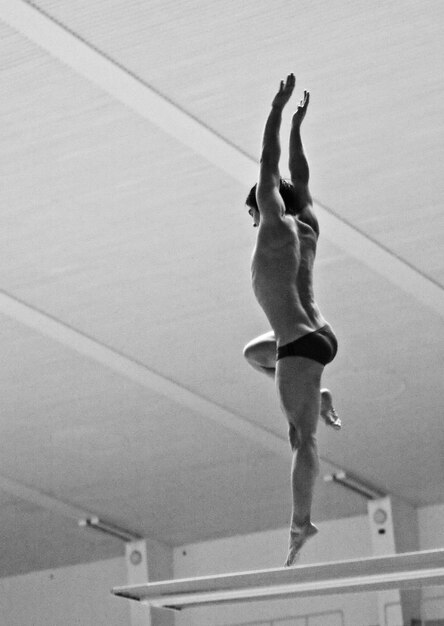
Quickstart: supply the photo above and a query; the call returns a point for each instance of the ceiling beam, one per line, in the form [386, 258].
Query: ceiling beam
[126, 87]
[37, 497]
[85, 519]
[114, 79]
[138, 373]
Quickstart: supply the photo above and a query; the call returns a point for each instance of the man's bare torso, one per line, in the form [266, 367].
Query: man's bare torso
[282, 276]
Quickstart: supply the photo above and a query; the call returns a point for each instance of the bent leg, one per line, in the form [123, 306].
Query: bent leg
[261, 354]
[328, 412]
[298, 383]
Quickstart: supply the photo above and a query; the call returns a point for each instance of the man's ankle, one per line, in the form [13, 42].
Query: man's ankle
[299, 523]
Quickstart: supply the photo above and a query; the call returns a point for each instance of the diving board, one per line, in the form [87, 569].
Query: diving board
[410, 570]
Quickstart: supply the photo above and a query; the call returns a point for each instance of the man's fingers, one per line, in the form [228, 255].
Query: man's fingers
[291, 81]
[285, 90]
[305, 100]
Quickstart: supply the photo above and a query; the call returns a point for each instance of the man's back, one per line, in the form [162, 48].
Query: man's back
[282, 275]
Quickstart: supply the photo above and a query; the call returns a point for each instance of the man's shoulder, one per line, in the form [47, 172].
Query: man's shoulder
[277, 233]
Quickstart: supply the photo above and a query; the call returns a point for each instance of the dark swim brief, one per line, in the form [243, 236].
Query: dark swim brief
[321, 345]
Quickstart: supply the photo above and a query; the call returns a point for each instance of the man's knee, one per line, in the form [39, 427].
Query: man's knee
[253, 354]
[302, 434]
[261, 352]
[293, 436]
[248, 352]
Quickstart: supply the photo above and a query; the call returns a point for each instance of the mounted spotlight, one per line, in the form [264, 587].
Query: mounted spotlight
[355, 484]
[109, 529]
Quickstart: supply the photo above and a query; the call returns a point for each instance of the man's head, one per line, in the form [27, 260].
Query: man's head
[289, 196]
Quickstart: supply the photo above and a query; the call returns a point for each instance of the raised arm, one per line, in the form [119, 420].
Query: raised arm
[268, 197]
[298, 164]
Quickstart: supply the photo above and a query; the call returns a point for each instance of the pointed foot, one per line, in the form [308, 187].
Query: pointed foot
[328, 412]
[298, 537]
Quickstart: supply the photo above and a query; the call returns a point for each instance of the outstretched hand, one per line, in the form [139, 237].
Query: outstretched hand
[299, 115]
[284, 93]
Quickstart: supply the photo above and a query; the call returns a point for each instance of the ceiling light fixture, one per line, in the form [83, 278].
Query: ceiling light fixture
[355, 484]
[109, 529]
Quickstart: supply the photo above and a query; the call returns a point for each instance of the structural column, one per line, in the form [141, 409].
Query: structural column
[148, 561]
[394, 528]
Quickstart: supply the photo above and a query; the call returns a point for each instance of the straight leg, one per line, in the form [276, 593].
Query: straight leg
[298, 383]
[304, 471]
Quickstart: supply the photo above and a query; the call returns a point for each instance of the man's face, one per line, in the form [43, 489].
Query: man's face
[255, 215]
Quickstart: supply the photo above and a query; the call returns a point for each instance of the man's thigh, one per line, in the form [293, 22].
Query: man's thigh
[298, 383]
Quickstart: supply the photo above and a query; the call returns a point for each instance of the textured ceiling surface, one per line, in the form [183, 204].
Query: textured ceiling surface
[124, 269]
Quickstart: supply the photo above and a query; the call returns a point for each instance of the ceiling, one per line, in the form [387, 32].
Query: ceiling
[130, 133]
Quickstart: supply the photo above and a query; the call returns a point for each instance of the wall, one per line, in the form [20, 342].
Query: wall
[431, 537]
[80, 595]
[68, 596]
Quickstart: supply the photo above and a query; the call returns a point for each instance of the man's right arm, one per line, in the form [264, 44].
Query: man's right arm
[268, 198]
[271, 205]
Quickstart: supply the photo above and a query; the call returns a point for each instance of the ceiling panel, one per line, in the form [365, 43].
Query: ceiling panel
[119, 234]
[374, 134]
[36, 539]
[79, 433]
